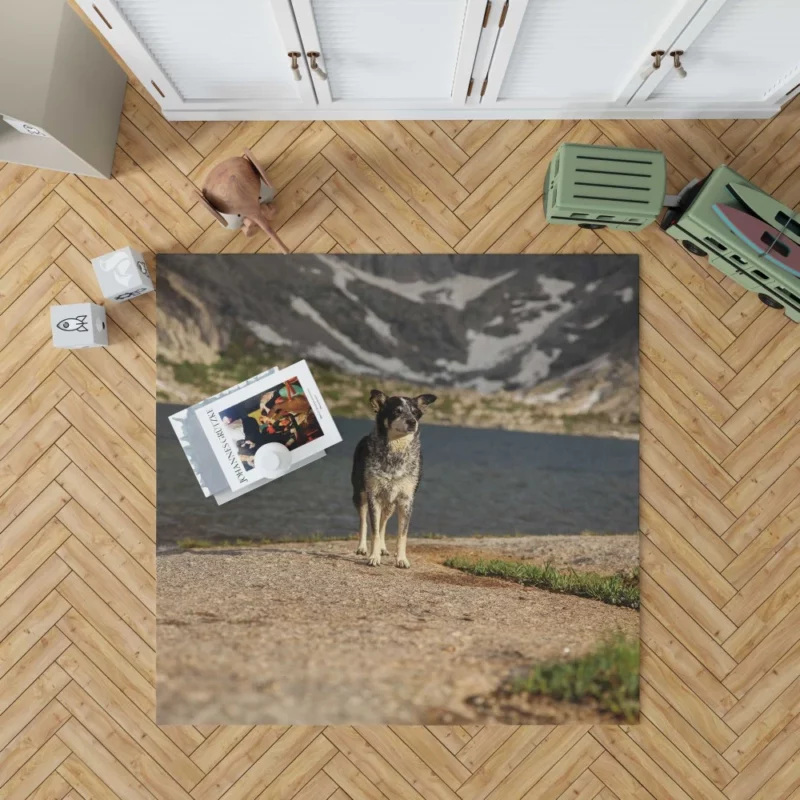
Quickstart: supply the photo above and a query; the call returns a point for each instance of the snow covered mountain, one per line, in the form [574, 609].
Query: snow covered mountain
[557, 330]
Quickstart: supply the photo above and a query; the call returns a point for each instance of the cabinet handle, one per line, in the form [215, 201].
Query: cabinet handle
[100, 14]
[676, 60]
[295, 66]
[657, 55]
[312, 56]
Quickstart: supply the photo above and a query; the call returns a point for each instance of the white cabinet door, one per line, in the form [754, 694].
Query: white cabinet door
[208, 54]
[735, 51]
[572, 54]
[392, 54]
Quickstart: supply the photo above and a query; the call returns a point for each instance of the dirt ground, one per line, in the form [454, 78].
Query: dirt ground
[308, 633]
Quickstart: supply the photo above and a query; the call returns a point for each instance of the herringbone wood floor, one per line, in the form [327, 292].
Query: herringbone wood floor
[720, 466]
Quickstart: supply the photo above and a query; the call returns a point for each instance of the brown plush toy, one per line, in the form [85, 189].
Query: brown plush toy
[234, 188]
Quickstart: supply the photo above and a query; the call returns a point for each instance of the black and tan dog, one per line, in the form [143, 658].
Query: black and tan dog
[387, 468]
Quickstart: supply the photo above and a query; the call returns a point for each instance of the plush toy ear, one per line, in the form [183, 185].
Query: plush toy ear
[376, 399]
[424, 400]
[257, 167]
[213, 211]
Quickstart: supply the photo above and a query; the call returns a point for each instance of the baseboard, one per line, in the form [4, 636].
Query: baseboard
[699, 111]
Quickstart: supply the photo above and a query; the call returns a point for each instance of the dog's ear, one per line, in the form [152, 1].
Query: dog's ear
[376, 399]
[424, 400]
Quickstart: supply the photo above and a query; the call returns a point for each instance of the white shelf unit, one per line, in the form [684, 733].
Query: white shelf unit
[471, 59]
[56, 76]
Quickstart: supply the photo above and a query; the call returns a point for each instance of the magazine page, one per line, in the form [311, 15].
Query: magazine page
[197, 448]
[286, 408]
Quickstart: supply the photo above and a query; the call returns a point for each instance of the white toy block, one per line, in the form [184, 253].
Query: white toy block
[79, 325]
[122, 274]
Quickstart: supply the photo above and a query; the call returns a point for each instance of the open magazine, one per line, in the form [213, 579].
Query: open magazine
[277, 411]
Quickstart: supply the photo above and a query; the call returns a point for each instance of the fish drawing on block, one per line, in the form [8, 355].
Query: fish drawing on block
[77, 324]
[764, 239]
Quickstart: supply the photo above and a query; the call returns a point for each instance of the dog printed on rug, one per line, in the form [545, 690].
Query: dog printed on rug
[387, 469]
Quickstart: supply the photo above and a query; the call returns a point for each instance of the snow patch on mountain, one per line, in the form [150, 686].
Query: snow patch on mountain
[455, 291]
[267, 334]
[588, 402]
[547, 397]
[535, 366]
[595, 323]
[626, 294]
[378, 362]
[485, 351]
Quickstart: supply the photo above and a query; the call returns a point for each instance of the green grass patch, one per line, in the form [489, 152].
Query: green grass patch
[609, 676]
[619, 589]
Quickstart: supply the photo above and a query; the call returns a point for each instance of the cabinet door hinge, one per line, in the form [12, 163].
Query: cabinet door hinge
[487, 12]
[483, 88]
[503, 15]
[469, 88]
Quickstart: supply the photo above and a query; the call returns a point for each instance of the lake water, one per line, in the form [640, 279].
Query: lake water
[476, 481]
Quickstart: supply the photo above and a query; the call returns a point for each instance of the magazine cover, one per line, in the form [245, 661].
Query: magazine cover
[195, 445]
[284, 408]
[226, 495]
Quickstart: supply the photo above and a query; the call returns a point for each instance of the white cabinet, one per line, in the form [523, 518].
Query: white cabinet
[390, 53]
[571, 52]
[734, 51]
[429, 59]
[205, 54]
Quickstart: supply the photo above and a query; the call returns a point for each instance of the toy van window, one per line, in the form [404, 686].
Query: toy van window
[779, 247]
[715, 243]
[786, 293]
[738, 259]
[759, 274]
[576, 214]
[604, 216]
[791, 225]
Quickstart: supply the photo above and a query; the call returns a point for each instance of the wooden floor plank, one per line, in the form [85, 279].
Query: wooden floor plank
[427, 169]
[686, 665]
[30, 267]
[681, 554]
[160, 132]
[685, 413]
[31, 738]
[94, 568]
[120, 744]
[427, 226]
[130, 718]
[31, 666]
[506, 175]
[685, 737]
[437, 143]
[152, 197]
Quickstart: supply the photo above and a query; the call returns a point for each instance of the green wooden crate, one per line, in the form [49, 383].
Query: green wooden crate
[699, 229]
[596, 187]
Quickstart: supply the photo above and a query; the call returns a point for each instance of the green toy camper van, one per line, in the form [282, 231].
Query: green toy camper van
[695, 224]
[605, 187]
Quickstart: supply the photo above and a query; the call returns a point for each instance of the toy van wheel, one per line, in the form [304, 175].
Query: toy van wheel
[693, 248]
[592, 226]
[769, 301]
